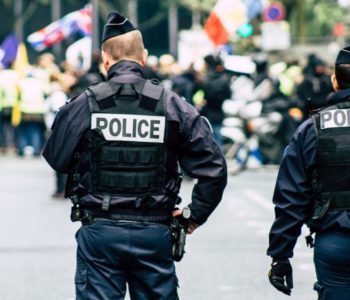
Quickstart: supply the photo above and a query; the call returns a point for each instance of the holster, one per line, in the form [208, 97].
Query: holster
[321, 206]
[76, 214]
[178, 232]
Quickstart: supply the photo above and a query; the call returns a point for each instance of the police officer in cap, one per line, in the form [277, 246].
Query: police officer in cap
[313, 188]
[121, 143]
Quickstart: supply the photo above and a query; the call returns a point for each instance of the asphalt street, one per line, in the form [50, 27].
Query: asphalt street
[226, 257]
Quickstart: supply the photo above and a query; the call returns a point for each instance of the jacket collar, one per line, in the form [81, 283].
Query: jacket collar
[124, 67]
[339, 96]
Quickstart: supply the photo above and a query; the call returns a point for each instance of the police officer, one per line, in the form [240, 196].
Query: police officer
[313, 188]
[121, 142]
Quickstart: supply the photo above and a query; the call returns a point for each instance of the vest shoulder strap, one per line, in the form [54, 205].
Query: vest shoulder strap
[343, 105]
[101, 90]
[102, 95]
[150, 92]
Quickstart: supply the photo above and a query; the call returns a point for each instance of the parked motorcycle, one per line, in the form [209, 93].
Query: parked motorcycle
[257, 129]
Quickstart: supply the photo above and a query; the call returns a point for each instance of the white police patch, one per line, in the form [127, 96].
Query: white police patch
[133, 128]
[335, 118]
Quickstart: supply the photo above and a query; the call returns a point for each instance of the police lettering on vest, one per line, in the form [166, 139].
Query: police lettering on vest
[335, 118]
[124, 127]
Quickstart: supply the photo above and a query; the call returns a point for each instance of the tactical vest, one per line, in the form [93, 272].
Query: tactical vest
[128, 143]
[331, 178]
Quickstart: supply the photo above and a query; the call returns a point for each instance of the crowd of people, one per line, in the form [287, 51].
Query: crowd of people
[28, 102]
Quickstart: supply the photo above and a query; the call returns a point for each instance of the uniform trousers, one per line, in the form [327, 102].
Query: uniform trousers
[112, 255]
[332, 263]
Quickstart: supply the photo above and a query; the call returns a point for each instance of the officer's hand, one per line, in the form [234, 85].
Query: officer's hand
[177, 213]
[192, 226]
[281, 275]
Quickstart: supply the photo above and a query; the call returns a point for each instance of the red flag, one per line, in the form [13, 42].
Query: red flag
[228, 15]
[216, 30]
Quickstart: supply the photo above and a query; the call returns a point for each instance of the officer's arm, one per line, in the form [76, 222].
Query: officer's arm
[201, 158]
[292, 195]
[70, 123]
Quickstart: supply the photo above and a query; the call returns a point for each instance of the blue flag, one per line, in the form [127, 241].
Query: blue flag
[8, 50]
[254, 7]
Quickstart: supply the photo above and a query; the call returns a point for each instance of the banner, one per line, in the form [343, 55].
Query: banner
[78, 54]
[228, 15]
[76, 21]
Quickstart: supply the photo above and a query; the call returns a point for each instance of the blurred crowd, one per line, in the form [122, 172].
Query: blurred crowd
[254, 102]
[29, 100]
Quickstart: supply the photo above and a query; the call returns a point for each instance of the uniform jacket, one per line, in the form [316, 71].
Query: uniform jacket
[196, 150]
[292, 194]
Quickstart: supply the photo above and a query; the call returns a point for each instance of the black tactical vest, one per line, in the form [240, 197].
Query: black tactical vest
[331, 180]
[128, 129]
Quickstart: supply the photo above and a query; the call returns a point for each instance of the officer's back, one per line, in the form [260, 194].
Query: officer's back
[121, 142]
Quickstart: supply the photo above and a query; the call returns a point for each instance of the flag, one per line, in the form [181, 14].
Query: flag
[228, 15]
[84, 20]
[254, 8]
[76, 21]
[78, 54]
[8, 50]
[21, 64]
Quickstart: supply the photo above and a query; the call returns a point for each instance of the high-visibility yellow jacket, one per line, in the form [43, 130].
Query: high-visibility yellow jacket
[8, 88]
[32, 95]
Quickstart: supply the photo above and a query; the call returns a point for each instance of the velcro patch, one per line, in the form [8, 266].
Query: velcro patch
[335, 118]
[133, 128]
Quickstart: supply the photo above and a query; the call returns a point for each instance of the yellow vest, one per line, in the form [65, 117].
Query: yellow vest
[32, 95]
[8, 88]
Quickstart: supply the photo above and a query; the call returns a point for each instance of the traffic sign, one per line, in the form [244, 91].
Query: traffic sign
[274, 12]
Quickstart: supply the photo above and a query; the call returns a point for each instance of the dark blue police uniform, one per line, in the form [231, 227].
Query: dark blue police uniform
[122, 142]
[294, 201]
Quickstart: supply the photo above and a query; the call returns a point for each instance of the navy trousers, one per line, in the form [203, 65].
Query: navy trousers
[332, 262]
[114, 254]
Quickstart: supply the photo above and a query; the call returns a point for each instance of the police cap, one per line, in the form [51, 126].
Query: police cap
[343, 57]
[116, 25]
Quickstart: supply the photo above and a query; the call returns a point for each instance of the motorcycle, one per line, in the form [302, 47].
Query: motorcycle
[257, 127]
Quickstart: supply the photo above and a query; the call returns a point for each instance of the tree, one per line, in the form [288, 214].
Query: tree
[313, 18]
[322, 15]
[198, 9]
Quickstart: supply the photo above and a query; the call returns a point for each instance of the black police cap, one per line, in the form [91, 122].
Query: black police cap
[116, 25]
[343, 57]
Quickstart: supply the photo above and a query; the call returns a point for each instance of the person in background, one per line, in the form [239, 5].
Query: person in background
[32, 96]
[54, 102]
[92, 76]
[8, 98]
[216, 88]
[151, 68]
[315, 85]
[186, 84]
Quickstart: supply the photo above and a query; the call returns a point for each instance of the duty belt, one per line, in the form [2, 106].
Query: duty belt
[88, 216]
[331, 201]
[339, 204]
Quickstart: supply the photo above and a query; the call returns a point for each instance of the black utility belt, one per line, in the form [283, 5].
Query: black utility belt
[88, 216]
